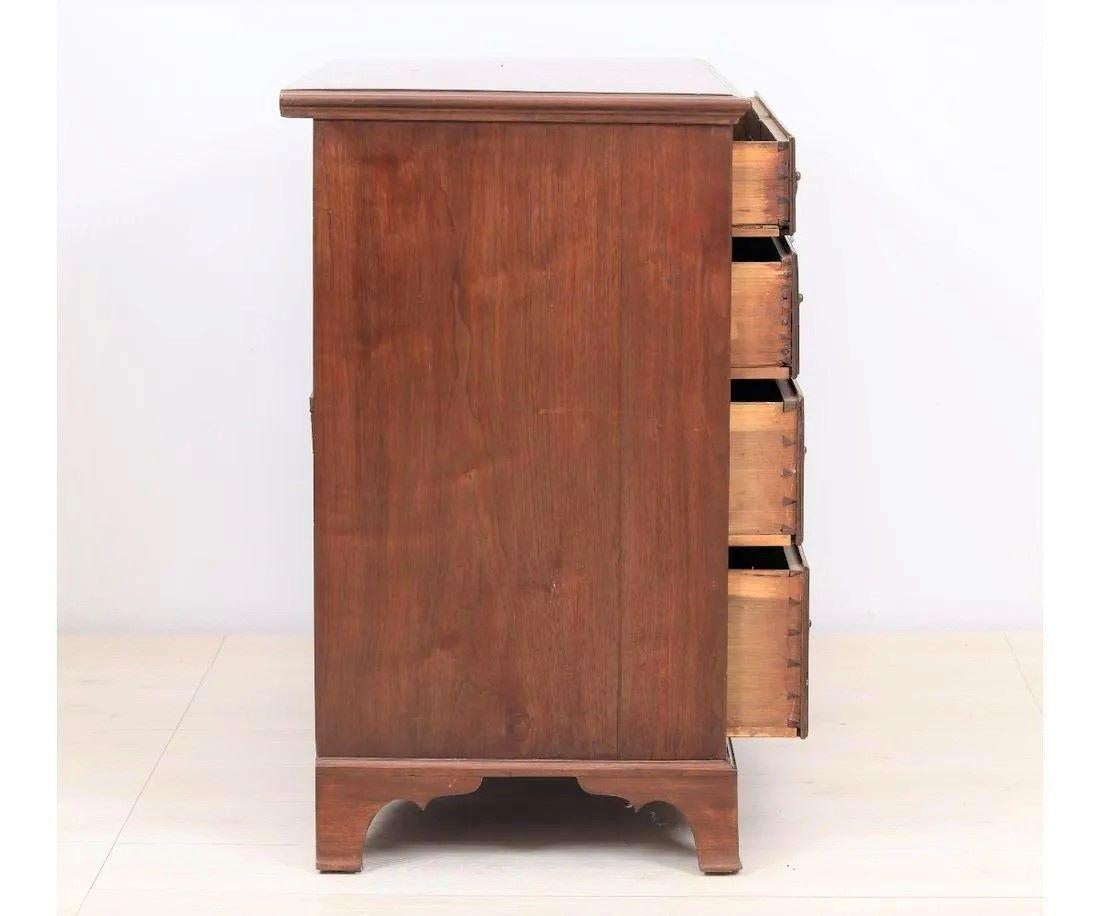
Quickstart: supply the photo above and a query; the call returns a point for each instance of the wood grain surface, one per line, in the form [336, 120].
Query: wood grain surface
[674, 469]
[768, 630]
[526, 107]
[764, 177]
[350, 792]
[631, 91]
[520, 462]
[766, 463]
[764, 316]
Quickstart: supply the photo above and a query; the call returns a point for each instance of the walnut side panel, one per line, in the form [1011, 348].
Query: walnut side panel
[520, 466]
[467, 378]
[675, 462]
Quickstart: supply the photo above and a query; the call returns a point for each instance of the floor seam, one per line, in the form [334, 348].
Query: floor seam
[1020, 668]
[152, 771]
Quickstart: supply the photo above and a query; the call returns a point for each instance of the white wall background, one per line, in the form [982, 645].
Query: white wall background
[185, 289]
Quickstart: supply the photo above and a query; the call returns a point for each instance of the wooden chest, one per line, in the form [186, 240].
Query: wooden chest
[555, 332]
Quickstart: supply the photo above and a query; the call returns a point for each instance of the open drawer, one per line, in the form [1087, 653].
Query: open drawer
[764, 302]
[766, 463]
[764, 176]
[766, 673]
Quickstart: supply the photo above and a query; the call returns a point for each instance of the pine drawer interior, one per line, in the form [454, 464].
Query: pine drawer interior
[767, 642]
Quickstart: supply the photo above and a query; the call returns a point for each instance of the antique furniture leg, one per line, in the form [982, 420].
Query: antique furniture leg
[351, 791]
[705, 792]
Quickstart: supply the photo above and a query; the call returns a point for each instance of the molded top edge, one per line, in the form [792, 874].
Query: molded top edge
[617, 89]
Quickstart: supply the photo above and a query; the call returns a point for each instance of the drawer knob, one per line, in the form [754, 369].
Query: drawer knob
[797, 176]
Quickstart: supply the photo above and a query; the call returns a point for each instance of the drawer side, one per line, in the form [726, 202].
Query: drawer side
[767, 653]
[763, 314]
[766, 472]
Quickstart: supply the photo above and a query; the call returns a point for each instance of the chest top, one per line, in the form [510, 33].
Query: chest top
[672, 90]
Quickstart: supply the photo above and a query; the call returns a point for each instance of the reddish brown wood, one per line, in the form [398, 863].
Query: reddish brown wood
[350, 792]
[466, 460]
[522, 431]
[673, 552]
[604, 91]
[707, 799]
[526, 107]
[520, 439]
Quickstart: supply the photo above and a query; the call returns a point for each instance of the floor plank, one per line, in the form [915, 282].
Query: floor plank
[1028, 649]
[129, 682]
[174, 903]
[78, 862]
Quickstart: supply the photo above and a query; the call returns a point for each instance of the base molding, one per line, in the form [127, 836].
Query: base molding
[351, 791]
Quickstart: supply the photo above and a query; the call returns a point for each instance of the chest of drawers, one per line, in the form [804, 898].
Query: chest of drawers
[555, 334]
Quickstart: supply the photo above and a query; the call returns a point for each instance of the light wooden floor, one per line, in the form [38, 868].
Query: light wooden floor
[187, 787]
